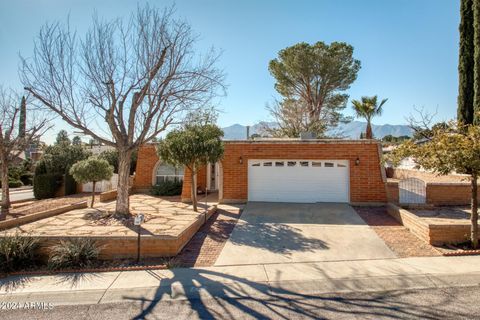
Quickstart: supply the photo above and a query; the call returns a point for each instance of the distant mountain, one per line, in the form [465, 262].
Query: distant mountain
[351, 130]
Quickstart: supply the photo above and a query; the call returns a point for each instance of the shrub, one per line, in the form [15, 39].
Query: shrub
[70, 185]
[15, 183]
[168, 188]
[17, 252]
[27, 178]
[74, 253]
[45, 185]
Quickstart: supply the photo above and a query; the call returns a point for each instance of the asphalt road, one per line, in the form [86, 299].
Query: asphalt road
[445, 303]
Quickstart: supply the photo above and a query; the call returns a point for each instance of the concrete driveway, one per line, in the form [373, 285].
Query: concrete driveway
[297, 232]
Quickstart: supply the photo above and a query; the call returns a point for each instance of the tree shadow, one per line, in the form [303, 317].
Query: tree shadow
[211, 294]
[277, 238]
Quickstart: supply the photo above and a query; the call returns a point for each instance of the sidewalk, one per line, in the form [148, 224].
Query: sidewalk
[260, 281]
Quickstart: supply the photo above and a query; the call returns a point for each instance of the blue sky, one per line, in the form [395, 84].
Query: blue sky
[408, 48]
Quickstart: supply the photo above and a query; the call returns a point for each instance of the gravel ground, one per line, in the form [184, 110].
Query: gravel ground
[401, 241]
[35, 206]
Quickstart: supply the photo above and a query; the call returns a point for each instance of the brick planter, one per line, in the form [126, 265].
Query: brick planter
[125, 247]
[15, 222]
[433, 233]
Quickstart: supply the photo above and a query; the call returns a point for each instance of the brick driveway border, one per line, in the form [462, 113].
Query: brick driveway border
[398, 238]
[205, 246]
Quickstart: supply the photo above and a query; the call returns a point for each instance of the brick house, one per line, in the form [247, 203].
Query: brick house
[281, 170]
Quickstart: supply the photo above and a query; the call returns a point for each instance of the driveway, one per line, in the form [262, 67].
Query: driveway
[294, 232]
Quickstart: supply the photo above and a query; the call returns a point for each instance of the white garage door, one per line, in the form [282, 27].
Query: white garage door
[298, 180]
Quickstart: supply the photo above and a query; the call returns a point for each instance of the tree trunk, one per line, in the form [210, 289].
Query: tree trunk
[122, 209]
[93, 194]
[5, 191]
[474, 213]
[194, 188]
[369, 134]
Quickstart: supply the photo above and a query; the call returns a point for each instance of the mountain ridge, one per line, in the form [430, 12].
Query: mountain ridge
[351, 130]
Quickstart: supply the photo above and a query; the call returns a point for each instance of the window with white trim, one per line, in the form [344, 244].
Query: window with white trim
[166, 172]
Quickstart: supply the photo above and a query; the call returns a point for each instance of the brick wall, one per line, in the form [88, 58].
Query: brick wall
[366, 182]
[449, 193]
[146, 162]
[437, 193]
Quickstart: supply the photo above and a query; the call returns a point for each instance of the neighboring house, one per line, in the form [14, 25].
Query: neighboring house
[280, 170]
[98, 149]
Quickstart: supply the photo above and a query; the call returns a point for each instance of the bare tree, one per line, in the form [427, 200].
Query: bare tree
[124, 82]
[16, 134]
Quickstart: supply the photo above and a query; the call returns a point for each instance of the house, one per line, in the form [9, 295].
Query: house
[282, 170]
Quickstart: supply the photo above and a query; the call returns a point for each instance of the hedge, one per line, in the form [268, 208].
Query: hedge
[70, 184]
[167, 188]
[46, 185]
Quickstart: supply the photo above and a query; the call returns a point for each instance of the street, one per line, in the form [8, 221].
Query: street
[445, 303]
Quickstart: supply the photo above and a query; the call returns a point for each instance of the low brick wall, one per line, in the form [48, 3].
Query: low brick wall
[410, 221]
[437, 193]
[11, 223]
[435, 234]
[110, 195]
[117, 247]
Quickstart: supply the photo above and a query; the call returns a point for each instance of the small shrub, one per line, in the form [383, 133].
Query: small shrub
[27, 178]
[15, 183]
[17, 252]
[168, 188]
[73, 253]
[70, 184]
[45, 185]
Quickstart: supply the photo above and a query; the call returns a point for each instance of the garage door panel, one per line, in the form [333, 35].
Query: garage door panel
[297, 183]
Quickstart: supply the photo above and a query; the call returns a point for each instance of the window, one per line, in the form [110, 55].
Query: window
[267, 164]
[316, 164]
[291, 163]
[167, 172]
[256, 164]
[329, 164]
[279, 163]
[303, 163]
[340, 165]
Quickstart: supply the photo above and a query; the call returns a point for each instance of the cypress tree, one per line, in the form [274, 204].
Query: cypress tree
[466, 63]
[476, 72]
[23, 118]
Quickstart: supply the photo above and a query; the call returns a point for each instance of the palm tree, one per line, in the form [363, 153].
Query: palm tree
[368, 108]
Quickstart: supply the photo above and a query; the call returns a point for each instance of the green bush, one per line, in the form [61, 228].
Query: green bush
[27, 178]
[15, 183]
[17, 252]
[70, 184]
[45, 185]
[12, 183]
[168, 188]
[74, 253]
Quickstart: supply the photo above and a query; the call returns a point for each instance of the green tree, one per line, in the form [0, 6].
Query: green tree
[452, 149]
[59, 158]
[62, 138]
[22, 121]
[76, 141]
[192, 146]
[476, 58]
[312, 79]
[466, 64]
[92, 170]
[368, 108]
